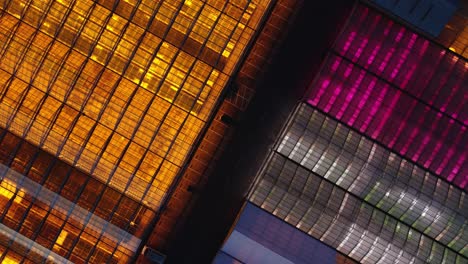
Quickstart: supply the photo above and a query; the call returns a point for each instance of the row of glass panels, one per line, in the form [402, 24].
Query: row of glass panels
[322, 169]
[345, 222]
[377, 79]
[118, 89]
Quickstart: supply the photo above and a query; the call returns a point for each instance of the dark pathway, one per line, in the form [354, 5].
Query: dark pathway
[317, 24]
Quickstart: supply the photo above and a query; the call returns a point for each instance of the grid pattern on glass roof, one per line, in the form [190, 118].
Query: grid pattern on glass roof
[101, 102]
[355, 195]
[399, 89]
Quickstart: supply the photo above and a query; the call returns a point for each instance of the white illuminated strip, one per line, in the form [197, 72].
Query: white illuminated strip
[32, 246]
[283, 143]
[370, 248]
[335, 226]
[367, 242]
[64, 206]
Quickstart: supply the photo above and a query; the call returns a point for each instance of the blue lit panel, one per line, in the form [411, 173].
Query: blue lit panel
[259, 237]
[427, 15]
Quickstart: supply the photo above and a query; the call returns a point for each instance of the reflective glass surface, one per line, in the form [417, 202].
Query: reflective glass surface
[343, 188]
[399, 89]
[118, 91]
